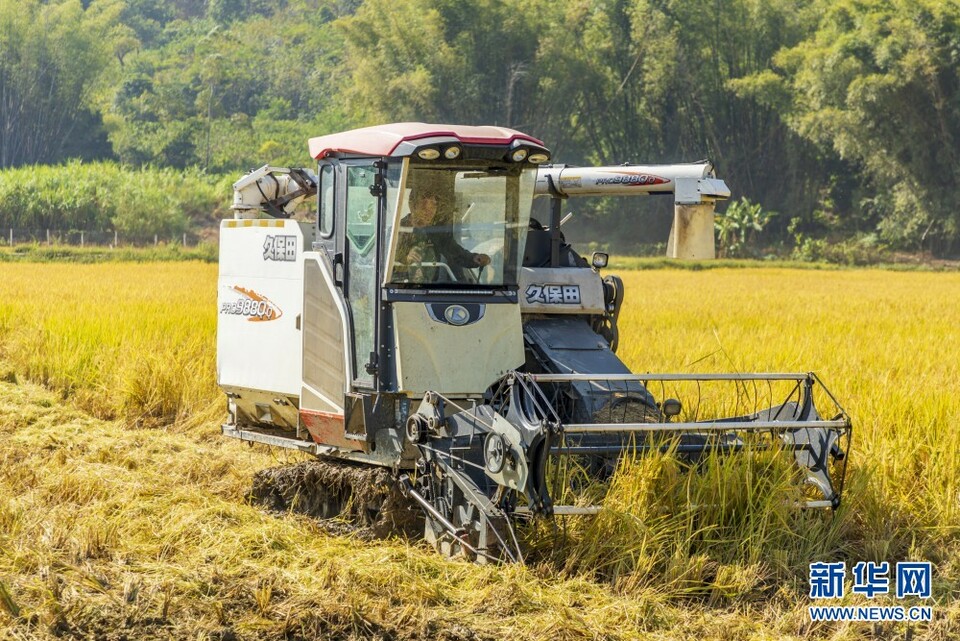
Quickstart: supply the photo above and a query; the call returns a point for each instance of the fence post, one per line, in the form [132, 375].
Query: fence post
[81, 239]
[155, 241]
[48, 236]
[184, 240]
[11, 236]
[114, 237]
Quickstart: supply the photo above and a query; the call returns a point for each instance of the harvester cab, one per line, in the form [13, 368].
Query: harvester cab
[424, 324]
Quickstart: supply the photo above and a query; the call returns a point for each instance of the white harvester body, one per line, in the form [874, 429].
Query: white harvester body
[259, 303]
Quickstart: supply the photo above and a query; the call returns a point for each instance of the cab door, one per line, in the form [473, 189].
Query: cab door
[361, 221]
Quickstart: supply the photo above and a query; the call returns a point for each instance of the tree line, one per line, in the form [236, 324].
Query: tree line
[841, 116]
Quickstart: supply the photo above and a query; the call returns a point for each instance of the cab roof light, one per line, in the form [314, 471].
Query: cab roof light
[538, 158]
[519, 155]
[429, 153]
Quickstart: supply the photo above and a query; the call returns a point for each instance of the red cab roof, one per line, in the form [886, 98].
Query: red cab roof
[382, 140]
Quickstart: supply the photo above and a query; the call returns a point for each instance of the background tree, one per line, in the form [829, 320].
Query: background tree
[878, 83]
[54, 61]
[443, 61]
[656, 81]
[842, 116]
[229, 96]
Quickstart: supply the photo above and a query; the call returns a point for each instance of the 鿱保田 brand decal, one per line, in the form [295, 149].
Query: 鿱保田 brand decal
[282, 248]
[553, 294]
[255, 307]
[632, 178]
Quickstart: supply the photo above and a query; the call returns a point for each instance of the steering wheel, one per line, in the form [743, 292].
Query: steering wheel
[440, 268]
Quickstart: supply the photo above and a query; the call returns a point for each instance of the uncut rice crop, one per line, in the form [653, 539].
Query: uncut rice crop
[121, 340]
[123, 513]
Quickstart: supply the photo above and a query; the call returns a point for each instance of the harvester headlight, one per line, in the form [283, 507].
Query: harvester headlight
[429, 153]
[451, 153]
[538, 158]
[519, 155]
[599, 260]
[671, 407]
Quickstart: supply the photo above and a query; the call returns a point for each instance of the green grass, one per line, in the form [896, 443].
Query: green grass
[108, 196]
[208, 252]
[166, 252]
[909, 263]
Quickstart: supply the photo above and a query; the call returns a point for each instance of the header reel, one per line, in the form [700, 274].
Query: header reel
[546, 443]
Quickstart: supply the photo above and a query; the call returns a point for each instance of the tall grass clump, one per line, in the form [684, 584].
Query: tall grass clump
[717, 527]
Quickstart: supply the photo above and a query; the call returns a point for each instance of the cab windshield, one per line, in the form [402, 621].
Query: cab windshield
[461, 226]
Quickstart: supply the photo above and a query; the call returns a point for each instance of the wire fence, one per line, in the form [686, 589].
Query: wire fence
[94, 238]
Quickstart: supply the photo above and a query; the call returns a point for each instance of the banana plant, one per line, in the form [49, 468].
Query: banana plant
[738, 227]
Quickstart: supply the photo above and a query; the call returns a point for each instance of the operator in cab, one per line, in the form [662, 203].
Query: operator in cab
[427, 249]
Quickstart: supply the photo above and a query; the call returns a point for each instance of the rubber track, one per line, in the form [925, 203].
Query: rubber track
[366, 496]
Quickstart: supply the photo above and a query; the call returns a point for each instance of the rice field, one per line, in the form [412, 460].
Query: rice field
[123, 512]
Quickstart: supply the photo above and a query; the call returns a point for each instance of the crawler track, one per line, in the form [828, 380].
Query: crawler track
[366, 497]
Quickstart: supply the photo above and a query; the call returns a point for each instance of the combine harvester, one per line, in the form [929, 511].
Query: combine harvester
[436, 347]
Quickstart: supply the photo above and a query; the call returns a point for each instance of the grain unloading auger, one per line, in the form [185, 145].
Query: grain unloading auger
[426, 337]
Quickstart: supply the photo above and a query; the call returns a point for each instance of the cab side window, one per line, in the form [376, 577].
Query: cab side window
[326, 200]
[360, 242]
